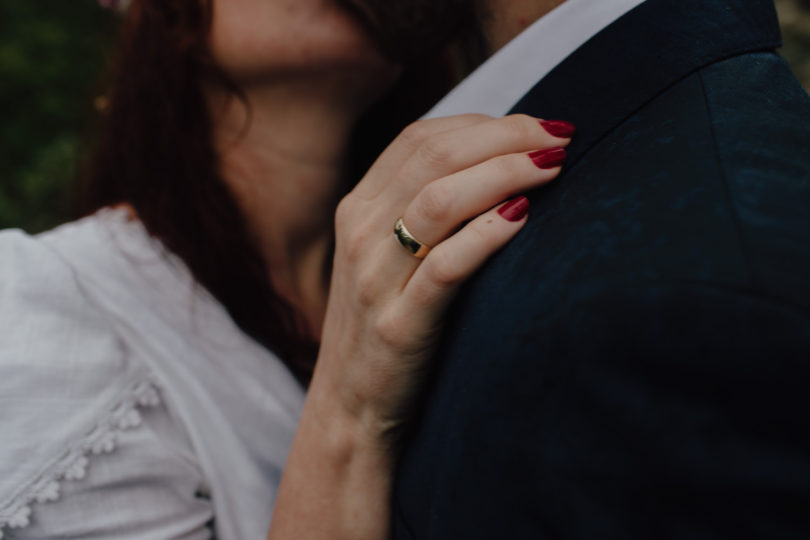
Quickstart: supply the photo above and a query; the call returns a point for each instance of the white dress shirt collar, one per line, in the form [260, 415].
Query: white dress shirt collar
[498, 84]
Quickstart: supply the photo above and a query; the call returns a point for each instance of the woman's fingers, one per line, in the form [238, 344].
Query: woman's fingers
[449, 264]
[427, 151]
[404, 146]
[438, 175]
[448, 152]
[442, 206]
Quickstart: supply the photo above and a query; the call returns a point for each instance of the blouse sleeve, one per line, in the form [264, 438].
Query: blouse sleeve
[88, 449]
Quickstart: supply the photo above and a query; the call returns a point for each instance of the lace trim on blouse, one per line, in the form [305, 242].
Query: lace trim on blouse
[72, 465]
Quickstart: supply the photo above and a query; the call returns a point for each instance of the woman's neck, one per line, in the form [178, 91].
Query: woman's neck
[283, 159]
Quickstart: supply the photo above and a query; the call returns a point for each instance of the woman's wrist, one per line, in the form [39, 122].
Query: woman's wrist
[347, 416]
[337, 481]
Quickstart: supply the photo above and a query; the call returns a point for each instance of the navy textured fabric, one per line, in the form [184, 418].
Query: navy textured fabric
[636, 363]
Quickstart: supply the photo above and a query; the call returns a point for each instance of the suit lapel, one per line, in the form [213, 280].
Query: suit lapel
[640, 55]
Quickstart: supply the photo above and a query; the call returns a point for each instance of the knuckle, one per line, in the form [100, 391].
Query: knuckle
[521, 126]
[433, 204]
[443, 269]
[390, 329]
[366, 289]
[420, 294]
[436, 150]
[506, 168]
[415, 134]
[344, 212]
[424, 293]
[354, 243]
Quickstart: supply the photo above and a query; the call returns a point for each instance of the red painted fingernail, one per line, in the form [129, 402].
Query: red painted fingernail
[549, 158]
[515, 210]
[559, 128]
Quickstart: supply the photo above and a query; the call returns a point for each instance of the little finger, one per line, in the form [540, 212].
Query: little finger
[435, 282]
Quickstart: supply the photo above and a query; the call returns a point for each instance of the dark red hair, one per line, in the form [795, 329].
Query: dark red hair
[155, 151]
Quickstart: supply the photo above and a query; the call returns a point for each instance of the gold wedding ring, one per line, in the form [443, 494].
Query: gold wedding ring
[414, 246]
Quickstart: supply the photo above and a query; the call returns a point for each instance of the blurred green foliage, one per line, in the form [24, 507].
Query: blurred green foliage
[794, 18]
[52, 53]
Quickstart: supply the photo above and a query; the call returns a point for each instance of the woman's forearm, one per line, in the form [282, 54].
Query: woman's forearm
[337, 481]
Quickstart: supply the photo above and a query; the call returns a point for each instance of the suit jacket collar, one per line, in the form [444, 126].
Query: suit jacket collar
[543, 45]
[643, 53]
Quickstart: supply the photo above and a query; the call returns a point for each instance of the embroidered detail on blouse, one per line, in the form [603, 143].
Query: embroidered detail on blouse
[72, 465]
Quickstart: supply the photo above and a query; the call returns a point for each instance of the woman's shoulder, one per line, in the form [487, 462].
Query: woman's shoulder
[48, 323]
[51, 330]
[97, 320]
[56, 272]
[35, 279]
[68, 295]
[69, 385]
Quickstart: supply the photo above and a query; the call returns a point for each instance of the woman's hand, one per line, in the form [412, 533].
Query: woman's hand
[446, 179]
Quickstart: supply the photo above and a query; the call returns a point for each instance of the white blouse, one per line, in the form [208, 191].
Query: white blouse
[131, 406]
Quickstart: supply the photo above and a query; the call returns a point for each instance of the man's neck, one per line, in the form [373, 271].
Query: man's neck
[503, 20]
[556, 30]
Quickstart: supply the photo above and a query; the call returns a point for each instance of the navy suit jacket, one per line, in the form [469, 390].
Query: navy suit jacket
[636, 363]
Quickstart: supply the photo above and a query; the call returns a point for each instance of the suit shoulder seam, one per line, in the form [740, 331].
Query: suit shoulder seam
[744, 245]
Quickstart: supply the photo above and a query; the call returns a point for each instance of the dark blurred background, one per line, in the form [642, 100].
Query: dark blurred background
[52, 55]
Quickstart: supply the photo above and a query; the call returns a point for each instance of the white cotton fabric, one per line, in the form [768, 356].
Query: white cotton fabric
[131, 405]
